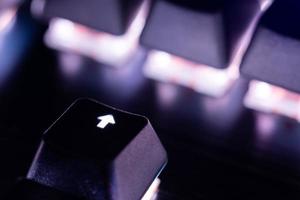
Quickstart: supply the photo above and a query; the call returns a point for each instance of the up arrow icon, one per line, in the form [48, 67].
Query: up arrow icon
[105, 120]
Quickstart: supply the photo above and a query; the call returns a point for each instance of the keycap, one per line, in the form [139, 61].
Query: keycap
[29, 190]
[273, 56]
[208, 32]
[106, 31]
[112, 16]
[98, 152]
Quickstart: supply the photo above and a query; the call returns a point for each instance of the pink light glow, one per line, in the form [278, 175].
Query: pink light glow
[272, 99]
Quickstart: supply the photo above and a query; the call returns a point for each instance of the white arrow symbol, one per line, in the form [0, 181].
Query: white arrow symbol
[105, 120]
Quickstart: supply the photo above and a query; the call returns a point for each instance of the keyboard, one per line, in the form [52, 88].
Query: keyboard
[216, 80]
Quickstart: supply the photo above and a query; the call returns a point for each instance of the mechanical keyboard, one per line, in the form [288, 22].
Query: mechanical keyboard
[216, 79]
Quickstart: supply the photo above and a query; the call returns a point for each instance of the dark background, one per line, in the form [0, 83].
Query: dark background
[217, 148]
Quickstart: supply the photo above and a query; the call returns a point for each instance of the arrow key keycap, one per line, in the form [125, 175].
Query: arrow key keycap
[98, 152]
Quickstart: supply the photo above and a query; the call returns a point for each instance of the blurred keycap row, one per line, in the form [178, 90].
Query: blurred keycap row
[204, 45]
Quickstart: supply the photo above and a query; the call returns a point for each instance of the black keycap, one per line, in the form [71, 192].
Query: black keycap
[273, 56]
[112, 16]
[98, 152]
[207, 31]
[29, 190]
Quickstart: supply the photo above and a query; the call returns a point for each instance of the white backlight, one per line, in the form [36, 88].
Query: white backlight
[268, 98]
[201, 78]
[105, 48]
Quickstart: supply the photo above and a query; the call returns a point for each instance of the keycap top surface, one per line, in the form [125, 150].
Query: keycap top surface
[111, 16]
[205, 32]
[273, 55]
[76, 132]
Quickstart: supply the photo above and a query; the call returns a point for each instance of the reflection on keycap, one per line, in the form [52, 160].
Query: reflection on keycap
[152, 192]
[204, 79]
[105, 48]
[266, 125]
[265, 4]
[272, 99]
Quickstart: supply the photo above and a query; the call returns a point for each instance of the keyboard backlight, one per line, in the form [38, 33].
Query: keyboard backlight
[201, 78]
[105, 48]
[272, 99]
[151, 193]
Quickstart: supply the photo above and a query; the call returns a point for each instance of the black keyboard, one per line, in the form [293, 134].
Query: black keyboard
[216, 81]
